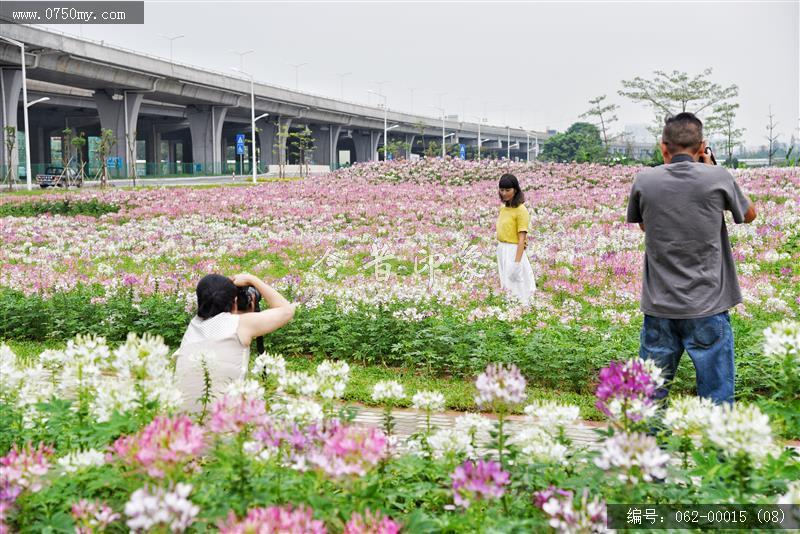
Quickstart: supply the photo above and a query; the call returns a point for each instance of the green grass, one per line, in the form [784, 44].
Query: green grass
[459, 392]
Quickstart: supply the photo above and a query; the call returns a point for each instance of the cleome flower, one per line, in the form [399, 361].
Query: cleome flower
[371, 523]
[481, 480]
[150, 508]
[388, 390]
[742, 429]
[430, 401]
[274, 519]
[635, 457]
[500, 386]
[689, 417]
[626, 389]
[570, 516]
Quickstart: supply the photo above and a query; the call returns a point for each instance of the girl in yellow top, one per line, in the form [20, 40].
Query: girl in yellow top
[516, 274]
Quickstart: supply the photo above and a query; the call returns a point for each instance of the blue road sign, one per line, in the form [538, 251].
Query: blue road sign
[239, 144]
[462, 150]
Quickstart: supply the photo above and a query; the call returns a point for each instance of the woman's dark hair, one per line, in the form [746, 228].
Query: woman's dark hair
[509, 181]
[215, 295]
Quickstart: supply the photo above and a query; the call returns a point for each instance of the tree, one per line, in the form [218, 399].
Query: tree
[421, 127]
[723, 123]
[604, 114]
[303, 146]
[580, 143]
[772, 137]
[107, 141]
[77, 142]
[11, 142]
[672, 93]
[279, 148]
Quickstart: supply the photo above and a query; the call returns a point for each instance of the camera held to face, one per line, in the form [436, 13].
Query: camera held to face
[248, 299]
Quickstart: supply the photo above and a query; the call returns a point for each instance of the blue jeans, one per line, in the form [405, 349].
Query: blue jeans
[709, 342]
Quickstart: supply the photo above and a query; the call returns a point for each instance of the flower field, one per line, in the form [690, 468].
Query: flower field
[394, 266]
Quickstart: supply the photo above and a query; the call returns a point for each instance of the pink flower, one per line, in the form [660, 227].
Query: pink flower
[568, 515]
[500, 386]
[274, 520]
[476, 481]
[232, 414]
[626, 389]
[161, 446]
[23, 469]
[92, 516]
[371, 523]
[349, 450]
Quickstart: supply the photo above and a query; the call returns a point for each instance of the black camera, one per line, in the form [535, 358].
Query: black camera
[248, 297]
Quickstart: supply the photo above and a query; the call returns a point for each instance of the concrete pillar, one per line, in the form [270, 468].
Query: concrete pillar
[409, 141]
[322, 145]
[335, 131]
[205, 126]
[266, 141]
[11, 85]
[363, 145]
[375, 137]
[152, 150]
[38, 160]
[172, 157]
[112, 110]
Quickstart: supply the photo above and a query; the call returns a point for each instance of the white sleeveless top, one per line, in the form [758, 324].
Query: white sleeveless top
[216, 342]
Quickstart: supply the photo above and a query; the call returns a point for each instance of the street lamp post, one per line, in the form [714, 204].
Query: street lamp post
[25, 106]
[441, 110]
[341, 83]
[241, 57]
[385, 126]
[252, 120]
[480, 120]
[171, 39]
[296, 75]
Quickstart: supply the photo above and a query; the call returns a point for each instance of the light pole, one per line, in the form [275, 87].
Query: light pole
[241, 57]
[480, 120]
[385, 128]
[441, 110]
[341, 83]
[171, 39]
[252, 119]
[24, 110]
[296, 75]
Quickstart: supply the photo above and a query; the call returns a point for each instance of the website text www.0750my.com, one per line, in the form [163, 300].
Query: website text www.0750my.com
[66, 14]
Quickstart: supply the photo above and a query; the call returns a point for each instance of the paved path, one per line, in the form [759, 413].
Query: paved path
[408, 421]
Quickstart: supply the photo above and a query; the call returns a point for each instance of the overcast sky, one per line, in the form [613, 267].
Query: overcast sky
[534, 64]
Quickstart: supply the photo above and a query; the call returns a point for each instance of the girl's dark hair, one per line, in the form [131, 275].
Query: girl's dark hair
[215, 295]
[509, 181]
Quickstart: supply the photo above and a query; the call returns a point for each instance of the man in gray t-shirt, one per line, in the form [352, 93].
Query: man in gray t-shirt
[689, 280]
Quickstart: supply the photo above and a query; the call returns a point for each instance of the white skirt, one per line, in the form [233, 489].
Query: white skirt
[522, 290]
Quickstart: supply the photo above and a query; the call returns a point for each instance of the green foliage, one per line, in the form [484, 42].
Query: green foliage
[93, 208]
[580, 143]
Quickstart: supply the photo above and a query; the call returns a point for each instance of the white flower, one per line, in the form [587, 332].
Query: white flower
[742, 429]
[792, 496]
[447, 441]
[300, 411]
[500, 385]
[551, 415]
[473, 424]
[332, 379]
[782, 339]
[537, 445]
[431, 401]
[689, 417]
[173, 510]
[388, 390]
[245, 389]
[75, 461]
[271, 364]
[636, 457]
[297, 382]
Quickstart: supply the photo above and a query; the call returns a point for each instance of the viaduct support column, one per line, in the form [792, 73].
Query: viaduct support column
[205, 126]
[114, 110]
[11, 84]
